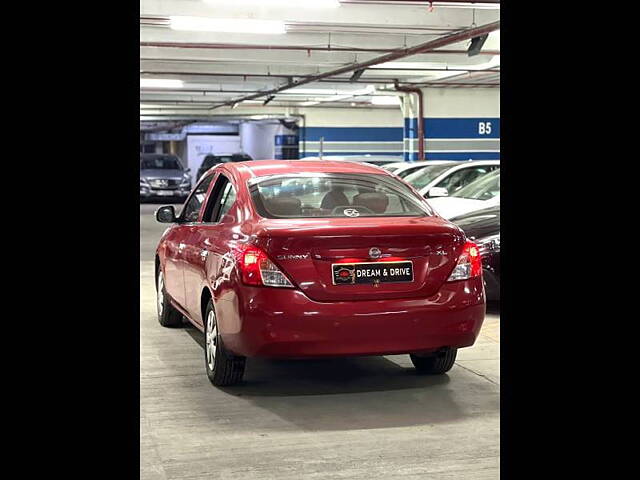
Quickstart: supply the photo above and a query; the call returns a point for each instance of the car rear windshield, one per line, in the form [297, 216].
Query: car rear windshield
[334, 195]
[160, 162]
[427, 174]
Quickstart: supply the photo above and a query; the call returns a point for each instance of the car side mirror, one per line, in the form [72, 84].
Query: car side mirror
[166, 214]
[437, 192]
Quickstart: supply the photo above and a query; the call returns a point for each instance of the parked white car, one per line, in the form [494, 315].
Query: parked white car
[402, 169]
[479, 194]
[445, 179]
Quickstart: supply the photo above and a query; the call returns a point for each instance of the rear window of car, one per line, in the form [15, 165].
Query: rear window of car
[334, 195]
[209, 161]
[160, 162]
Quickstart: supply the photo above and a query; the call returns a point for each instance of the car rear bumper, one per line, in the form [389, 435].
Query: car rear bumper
[271, 322]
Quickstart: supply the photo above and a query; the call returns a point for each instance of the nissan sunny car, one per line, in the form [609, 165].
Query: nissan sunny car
[308, 259]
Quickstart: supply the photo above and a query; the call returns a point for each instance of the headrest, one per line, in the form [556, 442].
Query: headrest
[375, 201]
[284, 206]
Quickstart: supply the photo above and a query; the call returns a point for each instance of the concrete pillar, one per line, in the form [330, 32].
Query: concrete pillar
[409, 107]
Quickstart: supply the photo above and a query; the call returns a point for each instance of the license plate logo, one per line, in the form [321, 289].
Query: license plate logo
[372, 273]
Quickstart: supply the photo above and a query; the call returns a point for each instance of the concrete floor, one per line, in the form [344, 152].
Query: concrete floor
[362, 418]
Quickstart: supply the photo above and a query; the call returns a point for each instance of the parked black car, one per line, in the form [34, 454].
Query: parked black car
[162, 176]
[212, 160]
[483, 227]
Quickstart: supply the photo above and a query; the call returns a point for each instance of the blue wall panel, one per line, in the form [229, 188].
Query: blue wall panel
[435, 128]
[456, 127]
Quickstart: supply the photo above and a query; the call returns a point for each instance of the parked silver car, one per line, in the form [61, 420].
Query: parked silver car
[163, 176]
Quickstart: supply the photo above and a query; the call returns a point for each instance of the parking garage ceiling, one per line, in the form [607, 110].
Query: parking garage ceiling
[220, 58]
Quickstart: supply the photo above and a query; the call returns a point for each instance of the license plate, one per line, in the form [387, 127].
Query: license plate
[165, 193]
[373, 272]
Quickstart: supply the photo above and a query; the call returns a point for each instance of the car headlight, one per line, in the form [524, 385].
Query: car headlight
[186, 180]
[489, 244]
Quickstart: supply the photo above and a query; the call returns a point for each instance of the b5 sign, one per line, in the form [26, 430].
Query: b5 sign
[484, 128]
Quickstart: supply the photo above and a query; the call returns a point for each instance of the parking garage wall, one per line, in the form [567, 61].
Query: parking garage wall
[460, 124]
[353, 131]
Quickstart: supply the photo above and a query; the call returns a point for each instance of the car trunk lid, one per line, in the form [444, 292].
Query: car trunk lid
[305, 250]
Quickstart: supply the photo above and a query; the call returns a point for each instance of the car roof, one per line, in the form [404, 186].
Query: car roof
[421, 163]
[263, 168]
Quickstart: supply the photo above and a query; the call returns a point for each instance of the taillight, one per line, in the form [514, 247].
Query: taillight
[469, 263]
[257, 269]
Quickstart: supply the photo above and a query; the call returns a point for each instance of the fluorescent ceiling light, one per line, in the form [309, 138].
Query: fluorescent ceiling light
[312, 91]
[332, 91]
[407, 65]
[281, 3]
[335, 95]
[459, 69]
[494, 62]
[160, 83]
[336, 98]
[345, 94]
[478, 5]
[443, 75]
[385, 100]
[227, 25]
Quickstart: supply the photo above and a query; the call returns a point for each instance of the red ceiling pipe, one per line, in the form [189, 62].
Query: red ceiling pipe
[419, 93]
[396, 55]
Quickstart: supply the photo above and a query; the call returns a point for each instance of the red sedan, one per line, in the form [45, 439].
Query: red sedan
[300, 259]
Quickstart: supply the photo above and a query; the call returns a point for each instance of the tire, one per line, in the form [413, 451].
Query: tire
[435, 364]
[223, 368]
[168, 316]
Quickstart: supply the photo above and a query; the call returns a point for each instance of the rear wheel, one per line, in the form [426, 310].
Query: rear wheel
[222, 367]
[435, 364]
[168, 316]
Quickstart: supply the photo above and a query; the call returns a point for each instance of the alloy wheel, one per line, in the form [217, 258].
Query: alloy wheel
[160, 294]
[211, 340]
